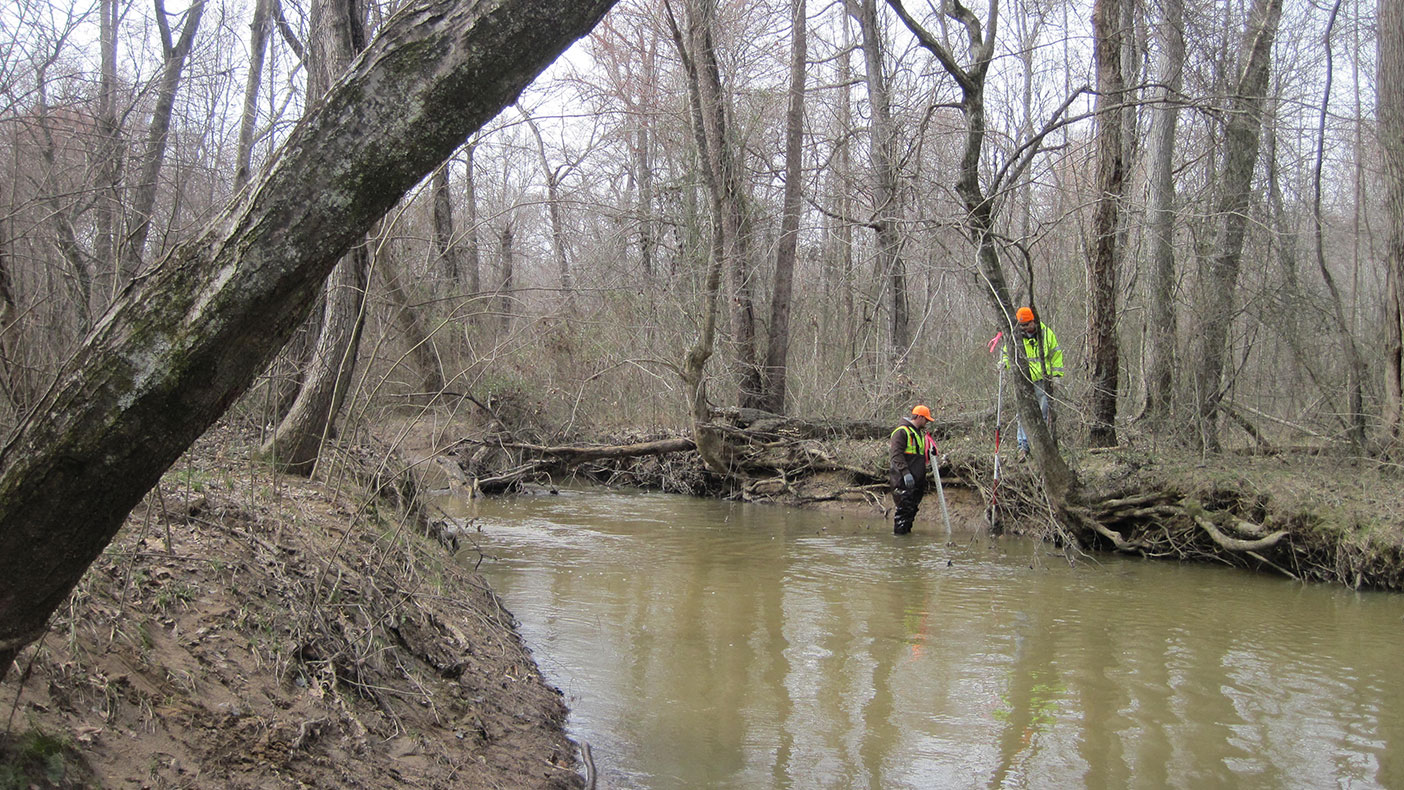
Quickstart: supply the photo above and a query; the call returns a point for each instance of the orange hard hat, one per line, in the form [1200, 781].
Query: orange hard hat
[921, 411]
[1025, 315]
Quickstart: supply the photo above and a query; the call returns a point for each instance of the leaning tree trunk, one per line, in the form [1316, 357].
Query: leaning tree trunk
[182, 345]
[1102, 264]
[1240, 156]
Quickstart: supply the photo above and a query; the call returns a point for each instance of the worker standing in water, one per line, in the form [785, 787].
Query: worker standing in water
[910, 457]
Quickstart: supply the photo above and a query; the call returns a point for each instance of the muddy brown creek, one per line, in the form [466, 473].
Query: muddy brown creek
[707, 644]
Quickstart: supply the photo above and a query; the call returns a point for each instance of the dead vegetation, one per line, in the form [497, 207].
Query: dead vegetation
[254, 631]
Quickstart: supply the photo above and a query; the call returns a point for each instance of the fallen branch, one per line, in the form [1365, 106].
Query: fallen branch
[576, 454]
[1264, 560]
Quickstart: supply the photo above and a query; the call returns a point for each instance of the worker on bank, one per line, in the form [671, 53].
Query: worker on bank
[910, 457]
[1045, 360]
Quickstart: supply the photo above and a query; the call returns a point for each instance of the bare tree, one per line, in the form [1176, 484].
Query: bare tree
[422, 352]
[258, 46]
[778, 347]
[143, 197]
[110, 153]
[1160, 375]
[472, 257]
[1355, 361]
[178, 348]
[16, 389]
[445, 249]
[506, 269]
[553, 177]
[1103, 261]
[712, 120]
[1389, 86]
[882, 154]
[1241, 136]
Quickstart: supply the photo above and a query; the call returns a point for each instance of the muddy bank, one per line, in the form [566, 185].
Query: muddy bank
[248, 630]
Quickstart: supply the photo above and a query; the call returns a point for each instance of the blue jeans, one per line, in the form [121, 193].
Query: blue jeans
[1042, 406]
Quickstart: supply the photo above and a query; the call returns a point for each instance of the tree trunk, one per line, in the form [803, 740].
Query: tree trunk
[643, 168]
[12, 379]
[1355, 361]
[296, 444]
[421, 352]
[1240, 157]
[1389, 87]
[711, 444]
[1103, 263]
[110, 152]
[778, 348]
[505, 265]
[444, 246]
[61, 213]
[1160, 375]
[182, 345]
[472, 256]
[731, 202]
[339, 33]
[711, 115]
[553, 206]
[144, 194]
[258, 47]
[884, 163]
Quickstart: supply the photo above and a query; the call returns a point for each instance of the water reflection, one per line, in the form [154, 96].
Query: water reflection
[707, 644]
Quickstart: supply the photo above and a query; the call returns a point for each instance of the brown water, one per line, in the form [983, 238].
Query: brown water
[704, 644]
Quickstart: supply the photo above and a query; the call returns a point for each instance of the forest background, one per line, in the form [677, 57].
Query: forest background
[557, 264]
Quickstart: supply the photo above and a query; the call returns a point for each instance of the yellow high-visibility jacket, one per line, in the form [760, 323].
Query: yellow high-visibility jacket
[1045, 358]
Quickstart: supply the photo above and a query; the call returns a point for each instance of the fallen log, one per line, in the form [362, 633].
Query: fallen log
[756, 421]
[578, 454]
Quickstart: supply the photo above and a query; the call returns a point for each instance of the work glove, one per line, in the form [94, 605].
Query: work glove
[908, 480]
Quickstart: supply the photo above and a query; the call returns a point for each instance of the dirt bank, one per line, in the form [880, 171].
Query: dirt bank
[247, 630]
